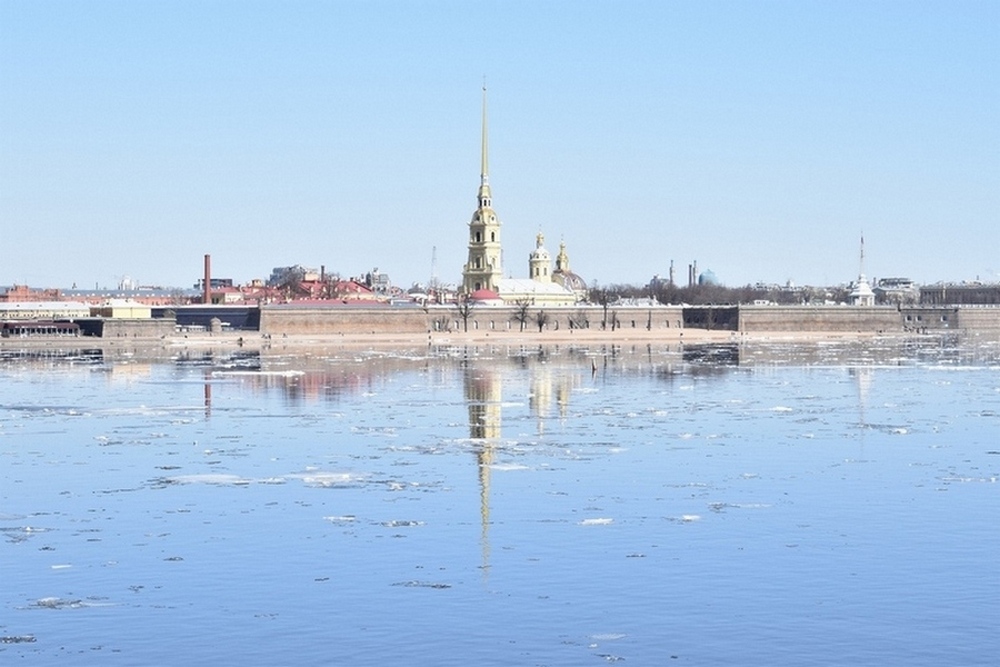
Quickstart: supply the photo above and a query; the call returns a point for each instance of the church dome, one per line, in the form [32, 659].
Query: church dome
[571, 281]
[708, 278]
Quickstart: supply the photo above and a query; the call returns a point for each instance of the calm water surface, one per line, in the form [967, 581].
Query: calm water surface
[731, 505]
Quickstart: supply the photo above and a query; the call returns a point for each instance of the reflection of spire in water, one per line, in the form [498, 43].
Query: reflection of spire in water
[485, 459]
[483, 394]
[208, 394]
[863, 379]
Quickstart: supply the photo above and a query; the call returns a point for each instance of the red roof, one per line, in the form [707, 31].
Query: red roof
[484, 295]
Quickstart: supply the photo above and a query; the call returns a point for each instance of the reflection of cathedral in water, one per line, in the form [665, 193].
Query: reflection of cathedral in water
[548, 390]
[484, 397]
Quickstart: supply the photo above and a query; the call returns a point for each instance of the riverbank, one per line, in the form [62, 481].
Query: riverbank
[388, 340]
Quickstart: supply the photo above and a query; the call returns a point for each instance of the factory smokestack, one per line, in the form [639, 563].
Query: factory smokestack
[206, 286]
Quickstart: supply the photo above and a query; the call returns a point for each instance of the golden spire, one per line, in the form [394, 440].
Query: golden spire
[484, 173]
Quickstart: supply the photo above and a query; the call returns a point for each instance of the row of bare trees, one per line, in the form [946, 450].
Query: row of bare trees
[665, 293]
[522, 314]
[710, 294]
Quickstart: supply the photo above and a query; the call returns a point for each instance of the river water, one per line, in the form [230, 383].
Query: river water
[756, 504]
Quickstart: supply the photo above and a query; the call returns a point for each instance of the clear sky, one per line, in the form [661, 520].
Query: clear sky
[759, 138]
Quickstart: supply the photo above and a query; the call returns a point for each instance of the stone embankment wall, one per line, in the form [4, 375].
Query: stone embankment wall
[979, 318]
[292, 320]
[126, 328]
[876, 319]
[926, 319]
[286, 319]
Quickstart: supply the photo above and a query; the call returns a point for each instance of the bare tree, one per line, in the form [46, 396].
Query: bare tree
[464, 307]
[603, 297]
[521, 312]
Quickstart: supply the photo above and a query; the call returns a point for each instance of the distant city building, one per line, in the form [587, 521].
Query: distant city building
[16, 293]
[43, 310]
[960, 294]
[378, 282]
[283, 275]
[897, 291]
[214, 283]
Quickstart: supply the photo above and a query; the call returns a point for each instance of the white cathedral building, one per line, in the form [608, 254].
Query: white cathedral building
[482, 275]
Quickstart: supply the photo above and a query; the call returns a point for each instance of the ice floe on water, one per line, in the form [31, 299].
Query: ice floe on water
[422, 584]
[217, 479]
[69, 603]
[508, 467]
[402, 523]
[21, 533]
[599, 521]
[330, 480]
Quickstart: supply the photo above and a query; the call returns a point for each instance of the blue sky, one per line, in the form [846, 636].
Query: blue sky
[758, 138]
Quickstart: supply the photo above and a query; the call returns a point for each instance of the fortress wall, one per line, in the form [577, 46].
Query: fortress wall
[326, 320]
[127, 328]
[929, 318]
[951, 318]
[984, 318]
[819, 318]
[337, 320]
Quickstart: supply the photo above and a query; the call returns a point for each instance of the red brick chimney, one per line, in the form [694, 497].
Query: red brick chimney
[206, 297]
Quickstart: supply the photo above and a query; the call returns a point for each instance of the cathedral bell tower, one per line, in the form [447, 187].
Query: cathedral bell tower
[483, 270]
[540, 262]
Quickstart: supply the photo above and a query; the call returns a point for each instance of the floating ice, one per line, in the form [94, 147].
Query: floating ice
[597, 522]
[209, 478]
[421, 584]
[395, 523]
[329, 480]
[508, 466]
[58, 603]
